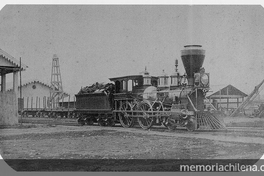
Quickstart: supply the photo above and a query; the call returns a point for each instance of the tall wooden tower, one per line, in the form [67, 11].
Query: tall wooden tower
[56, 92]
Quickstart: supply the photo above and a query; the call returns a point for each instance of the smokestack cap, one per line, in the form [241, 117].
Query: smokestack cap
[192, 58]
[193, 50]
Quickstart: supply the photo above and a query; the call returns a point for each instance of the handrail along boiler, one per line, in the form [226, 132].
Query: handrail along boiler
[151, 100]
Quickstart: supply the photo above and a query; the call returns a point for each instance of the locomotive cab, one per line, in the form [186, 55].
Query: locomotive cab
[133, 84]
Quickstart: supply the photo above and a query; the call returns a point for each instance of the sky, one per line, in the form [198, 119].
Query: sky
[97, 42]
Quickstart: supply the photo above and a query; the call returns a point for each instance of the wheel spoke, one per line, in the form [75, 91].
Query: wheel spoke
[145, 121]
[124, 118]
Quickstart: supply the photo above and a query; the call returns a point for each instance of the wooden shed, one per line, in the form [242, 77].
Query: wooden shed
[228, 97]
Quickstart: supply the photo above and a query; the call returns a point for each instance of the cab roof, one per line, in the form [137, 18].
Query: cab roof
[130, 77]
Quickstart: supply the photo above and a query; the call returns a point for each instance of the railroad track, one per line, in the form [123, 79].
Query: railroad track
[73, 122]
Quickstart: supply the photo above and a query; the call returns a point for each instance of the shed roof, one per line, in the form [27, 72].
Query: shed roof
[39, 82]
[35, 81]
[228, 92]
[9, 63]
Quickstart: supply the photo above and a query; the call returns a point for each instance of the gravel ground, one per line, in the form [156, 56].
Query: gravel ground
[50, 140]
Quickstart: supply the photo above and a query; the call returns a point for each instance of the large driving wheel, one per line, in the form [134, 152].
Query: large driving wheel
[125, 120]
[145, 121]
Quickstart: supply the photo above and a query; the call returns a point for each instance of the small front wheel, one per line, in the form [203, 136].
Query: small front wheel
[191, 124]
[171, 124]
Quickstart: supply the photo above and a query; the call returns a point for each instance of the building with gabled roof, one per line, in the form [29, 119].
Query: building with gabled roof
[8, 100]
[227, 97]
[9, 64]
[35, 94]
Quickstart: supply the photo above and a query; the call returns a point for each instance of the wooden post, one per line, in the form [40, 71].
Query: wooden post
[20, 79]
[220, 99]
[53, 103]
[24, 103]
[44, 104]
[3, 82]
[62, 101]
[126, 85]
[31, 103]
[227, 103]
[39, 102]
[74, 101]
[27, 102]
[196, 97]
[48, 103]
[15, 82]
[58, 102]
[36, 103]
[69, 106]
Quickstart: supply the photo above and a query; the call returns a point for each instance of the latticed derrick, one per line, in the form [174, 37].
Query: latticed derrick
[56, 92]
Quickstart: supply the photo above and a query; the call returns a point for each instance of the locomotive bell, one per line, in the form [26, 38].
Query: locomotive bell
[192, 58]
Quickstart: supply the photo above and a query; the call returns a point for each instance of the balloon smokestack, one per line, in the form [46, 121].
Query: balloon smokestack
[192, 58]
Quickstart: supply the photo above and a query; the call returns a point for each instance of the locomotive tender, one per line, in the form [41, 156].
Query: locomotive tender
[171, 101]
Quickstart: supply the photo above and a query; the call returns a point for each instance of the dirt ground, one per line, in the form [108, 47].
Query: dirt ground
[64, 139]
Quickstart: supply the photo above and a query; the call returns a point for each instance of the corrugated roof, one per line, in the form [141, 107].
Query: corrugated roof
[12, 60]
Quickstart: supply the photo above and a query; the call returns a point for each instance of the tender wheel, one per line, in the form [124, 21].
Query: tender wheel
[42, 114]
[74, 115]
[111, 122]
[52, 115]
[89, 121]
[145, 121]
[164, 124]
[124, 118]
[191, 125]
[102, 122]
[81, 121]
[24, 114]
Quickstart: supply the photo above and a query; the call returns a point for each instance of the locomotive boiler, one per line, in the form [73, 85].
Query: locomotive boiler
[171, 101]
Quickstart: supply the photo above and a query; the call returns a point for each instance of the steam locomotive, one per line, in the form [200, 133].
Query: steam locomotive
[171, 101]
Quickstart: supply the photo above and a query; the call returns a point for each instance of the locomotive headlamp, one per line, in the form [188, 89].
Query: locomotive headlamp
[205, 79]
